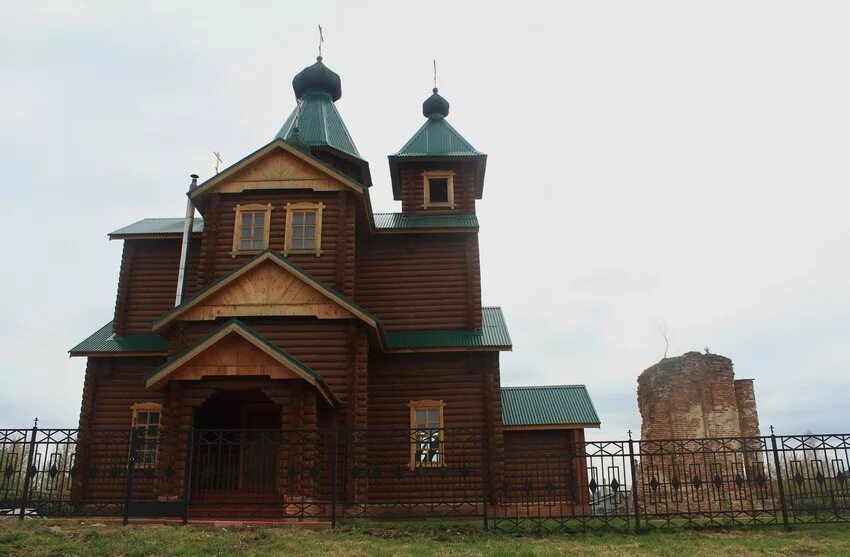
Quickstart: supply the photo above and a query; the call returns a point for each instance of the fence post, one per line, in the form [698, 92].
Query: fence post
[633, 468]
[485, 475]
[128, 481]
[28, 474]
[187, 472]
[775, 451]
[334, 479]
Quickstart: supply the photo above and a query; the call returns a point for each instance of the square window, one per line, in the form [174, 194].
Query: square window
[439, 189]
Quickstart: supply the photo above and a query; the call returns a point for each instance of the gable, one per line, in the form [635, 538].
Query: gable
[234, 349]
[279, 169]
[277, 165]
[230, 357]
[280, 289]
[266, 290]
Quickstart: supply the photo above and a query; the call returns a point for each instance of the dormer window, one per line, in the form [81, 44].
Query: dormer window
[303, 228]
[439, 189]
[251, 228]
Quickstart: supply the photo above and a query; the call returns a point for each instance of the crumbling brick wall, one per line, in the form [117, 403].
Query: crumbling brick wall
[689, 396]
[696, 397]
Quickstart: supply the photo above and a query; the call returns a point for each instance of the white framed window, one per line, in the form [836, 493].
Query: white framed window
[439, 189]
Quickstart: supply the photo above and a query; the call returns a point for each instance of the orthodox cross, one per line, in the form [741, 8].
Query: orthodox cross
[217, 160]
[435, 73]
[321, 40]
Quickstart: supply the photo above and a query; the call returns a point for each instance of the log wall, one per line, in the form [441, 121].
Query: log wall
[337, 234]
[413, 187]
[426, 281]
[147, 281]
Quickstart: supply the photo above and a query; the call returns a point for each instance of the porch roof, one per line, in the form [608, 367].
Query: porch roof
[236, 326]
[548, 407]
[104, 341]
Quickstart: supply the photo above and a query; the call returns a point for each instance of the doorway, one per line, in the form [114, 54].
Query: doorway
[237, 443]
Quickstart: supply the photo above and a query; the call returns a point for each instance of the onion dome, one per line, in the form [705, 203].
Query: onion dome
[435, 106]
[317, 77]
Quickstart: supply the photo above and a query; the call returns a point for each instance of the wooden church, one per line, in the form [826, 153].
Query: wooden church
[290, 313]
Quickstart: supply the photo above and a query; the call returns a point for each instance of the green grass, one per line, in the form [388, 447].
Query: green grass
[37, 538]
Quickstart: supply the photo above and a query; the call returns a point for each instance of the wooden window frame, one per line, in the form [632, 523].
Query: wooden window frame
[426, 404]
[237, 227]
[287, 240]
[146, 407]
[439, 174]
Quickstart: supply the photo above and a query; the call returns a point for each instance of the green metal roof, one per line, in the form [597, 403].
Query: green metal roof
[400, 221]
[383, 221]
[155, 226]
[105, 341]
[320, 124]
[554, 405]
[492, 334]
[437, 138]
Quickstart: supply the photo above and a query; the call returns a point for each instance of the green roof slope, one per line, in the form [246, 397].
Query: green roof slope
[383, 221]
[437, 138]
[105, 341]
[320, 124]
[156, 226]
[389, 221]
[492, 334]
[553, 405]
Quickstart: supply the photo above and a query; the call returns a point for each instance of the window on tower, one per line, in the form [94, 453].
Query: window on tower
[439, 189]
[303, 228]
[251, 228]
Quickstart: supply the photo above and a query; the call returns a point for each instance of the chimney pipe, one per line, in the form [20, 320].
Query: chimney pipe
[187, 235]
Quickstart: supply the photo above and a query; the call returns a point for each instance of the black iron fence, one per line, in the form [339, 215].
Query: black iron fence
[511, 482]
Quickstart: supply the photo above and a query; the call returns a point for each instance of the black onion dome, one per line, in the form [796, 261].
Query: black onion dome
[317, 77]
[435, 105]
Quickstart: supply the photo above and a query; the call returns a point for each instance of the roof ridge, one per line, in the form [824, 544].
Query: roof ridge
[574, 385]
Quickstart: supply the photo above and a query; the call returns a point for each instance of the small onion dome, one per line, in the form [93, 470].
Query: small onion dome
[317, 78]
[435, 105]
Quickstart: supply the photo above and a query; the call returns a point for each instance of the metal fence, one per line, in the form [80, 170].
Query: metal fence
[509, 482]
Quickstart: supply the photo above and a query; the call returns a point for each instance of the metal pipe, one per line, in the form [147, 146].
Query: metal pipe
[187, 235]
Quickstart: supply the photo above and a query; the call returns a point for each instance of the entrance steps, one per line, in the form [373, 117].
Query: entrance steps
[235, 505]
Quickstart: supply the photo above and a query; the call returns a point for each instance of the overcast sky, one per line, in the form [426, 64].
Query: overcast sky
[653, 166]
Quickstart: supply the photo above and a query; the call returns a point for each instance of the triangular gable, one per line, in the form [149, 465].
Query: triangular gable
[234, 349]
[277, 165]
[266, 290]
[268, 285]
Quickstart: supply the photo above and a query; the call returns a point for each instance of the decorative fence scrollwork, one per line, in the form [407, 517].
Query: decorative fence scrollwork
[511, 483]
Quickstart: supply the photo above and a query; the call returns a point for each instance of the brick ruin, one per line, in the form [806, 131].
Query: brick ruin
[700, 448]
[696, 396]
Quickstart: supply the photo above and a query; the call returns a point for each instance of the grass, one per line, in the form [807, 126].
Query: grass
[41, 538]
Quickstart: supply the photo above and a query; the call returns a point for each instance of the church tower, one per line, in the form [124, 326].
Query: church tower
[437, 172]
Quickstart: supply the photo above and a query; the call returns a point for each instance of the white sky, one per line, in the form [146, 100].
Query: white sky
[677, 166]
